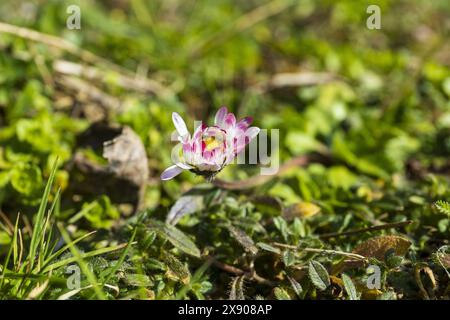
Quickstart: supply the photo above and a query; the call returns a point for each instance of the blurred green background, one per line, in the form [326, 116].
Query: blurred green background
[376, 102]
[373, 98]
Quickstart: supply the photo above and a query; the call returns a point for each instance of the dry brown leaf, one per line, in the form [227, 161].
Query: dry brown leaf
[375, 248]
[371, 294]
[337, 281]
[125, 176]
[378, 246]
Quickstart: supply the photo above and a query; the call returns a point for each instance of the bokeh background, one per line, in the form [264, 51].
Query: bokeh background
[374, 102]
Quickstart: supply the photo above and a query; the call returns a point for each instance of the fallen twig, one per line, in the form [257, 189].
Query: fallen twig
[234, 270]
[108, 102]
[140, 84]
[9, 227]
[317, 250]
[260, 179]
[294, 79]
[373, 228]
[83, 54]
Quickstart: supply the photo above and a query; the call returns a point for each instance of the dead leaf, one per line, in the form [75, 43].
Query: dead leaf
[374, 248]
[370, 294]
[38, 290]
[378, 246]
[123, 178]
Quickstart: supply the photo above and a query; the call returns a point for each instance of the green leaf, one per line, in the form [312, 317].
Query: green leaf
[196, 281]
[177, 238]
[295, 286]
[183, 206]
[288, 258]
[282, 226]
[26, 179]
[318, 275]
[100, 213]
[281, 294]
[176, 269]
[301, 143]
[341, 177]
[268, 247]
[4, 238]
[389, 295]
[392, 260]
[138, 280]
[443, 207]
[349, 287]
[341, 149]
[243, 239]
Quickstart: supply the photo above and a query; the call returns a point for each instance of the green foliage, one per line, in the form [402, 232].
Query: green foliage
[370, 106]
[177, 238]
[443, 206]
[349, 287]
[99, 213]
[318, 275]
[281, 294]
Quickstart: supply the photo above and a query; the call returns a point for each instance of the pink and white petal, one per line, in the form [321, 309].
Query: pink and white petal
[244, 123]
[240, 144]
[214, 132]
[171, 172]
[197, 146]
[203, 144]
[230, 121]
[237, 133]
[187, 148]
[208, 155]
[199, 131]
[219, 119]
[180, 125]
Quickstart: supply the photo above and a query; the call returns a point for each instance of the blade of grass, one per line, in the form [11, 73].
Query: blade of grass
[45, 242]
[64, 248]
[83, 265]
[10, 251]
[82, 212]
[37, 230]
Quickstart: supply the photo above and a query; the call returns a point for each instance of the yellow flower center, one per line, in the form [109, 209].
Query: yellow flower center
[212, 143]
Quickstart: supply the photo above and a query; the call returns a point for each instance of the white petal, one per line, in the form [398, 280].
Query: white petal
[252, 132]
[184, 166]
[179, 125]
[219, 120]
[171, 172]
